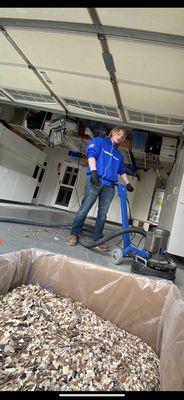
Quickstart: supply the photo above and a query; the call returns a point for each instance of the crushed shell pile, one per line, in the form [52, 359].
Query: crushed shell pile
[52, 343]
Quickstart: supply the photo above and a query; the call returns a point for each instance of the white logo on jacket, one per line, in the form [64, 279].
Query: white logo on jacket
[106, 152]
[111, 154]
[91, 145]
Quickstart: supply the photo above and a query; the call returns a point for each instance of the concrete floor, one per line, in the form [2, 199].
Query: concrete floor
[21, 236]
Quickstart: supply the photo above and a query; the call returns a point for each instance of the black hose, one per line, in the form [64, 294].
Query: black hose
[105, 239]
[38, 223]
[86, 227]
[43, 224]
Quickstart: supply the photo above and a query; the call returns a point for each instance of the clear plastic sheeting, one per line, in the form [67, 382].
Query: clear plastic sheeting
[150, 308]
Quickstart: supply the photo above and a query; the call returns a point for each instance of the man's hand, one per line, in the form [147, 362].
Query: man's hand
[129, 187]
[94, 178]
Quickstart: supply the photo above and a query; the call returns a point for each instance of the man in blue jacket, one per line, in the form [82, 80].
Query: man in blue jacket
[105, 162]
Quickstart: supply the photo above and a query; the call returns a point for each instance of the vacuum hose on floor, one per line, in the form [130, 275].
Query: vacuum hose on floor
[34, 223]
[113, 235]
[87, 227]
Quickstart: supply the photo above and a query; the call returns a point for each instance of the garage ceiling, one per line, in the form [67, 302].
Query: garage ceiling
[116, 65]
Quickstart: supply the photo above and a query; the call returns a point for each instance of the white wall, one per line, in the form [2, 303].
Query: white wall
[18, 159]
[172, 189]
[143, 194]
[18, 154]
[172, 212]
[11, 160]
[15, 186]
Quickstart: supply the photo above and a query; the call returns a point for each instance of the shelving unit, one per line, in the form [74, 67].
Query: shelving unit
[149, 160]
[162, 161]
[140, 158]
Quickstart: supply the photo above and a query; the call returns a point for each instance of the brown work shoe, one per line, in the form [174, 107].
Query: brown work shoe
[72, 240]
[103, 247]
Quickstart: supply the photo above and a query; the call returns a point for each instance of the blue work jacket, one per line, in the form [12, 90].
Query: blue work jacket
[109, 161]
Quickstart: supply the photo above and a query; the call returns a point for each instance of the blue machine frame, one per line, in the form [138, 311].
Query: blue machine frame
[128, 248]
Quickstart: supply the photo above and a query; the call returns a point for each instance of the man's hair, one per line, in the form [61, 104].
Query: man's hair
[117, 128]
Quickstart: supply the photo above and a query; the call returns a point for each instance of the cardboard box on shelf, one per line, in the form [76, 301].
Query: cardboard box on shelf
[170, 142]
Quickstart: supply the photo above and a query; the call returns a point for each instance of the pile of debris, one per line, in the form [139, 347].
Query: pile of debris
[52, 343]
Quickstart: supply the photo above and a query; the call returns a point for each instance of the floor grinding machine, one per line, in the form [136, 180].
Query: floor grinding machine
[153, 259]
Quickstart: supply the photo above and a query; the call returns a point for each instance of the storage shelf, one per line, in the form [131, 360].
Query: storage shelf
[150, 160]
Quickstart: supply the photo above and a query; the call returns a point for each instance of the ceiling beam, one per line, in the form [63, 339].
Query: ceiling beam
[113, 31]
[105, 120]
[109, 62]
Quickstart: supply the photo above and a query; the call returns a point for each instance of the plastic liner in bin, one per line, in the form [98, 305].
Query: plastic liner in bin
[147, 307]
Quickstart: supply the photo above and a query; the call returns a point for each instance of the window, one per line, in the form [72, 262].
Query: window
[70, 176]
[36, 192]
[41, 175]
[64, 195]
[35, 173]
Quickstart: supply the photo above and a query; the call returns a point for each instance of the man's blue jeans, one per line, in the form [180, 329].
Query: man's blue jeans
[105, 195]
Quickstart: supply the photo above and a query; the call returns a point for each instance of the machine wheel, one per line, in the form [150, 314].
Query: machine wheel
[116, 256]
[166, 271]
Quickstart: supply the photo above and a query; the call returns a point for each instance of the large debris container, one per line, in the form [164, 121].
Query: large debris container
[149, 308]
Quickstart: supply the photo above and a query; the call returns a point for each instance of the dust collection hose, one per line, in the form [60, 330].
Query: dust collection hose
[87, 227]
[111, 236]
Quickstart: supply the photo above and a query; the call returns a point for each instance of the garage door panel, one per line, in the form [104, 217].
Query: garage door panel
[152, 100]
